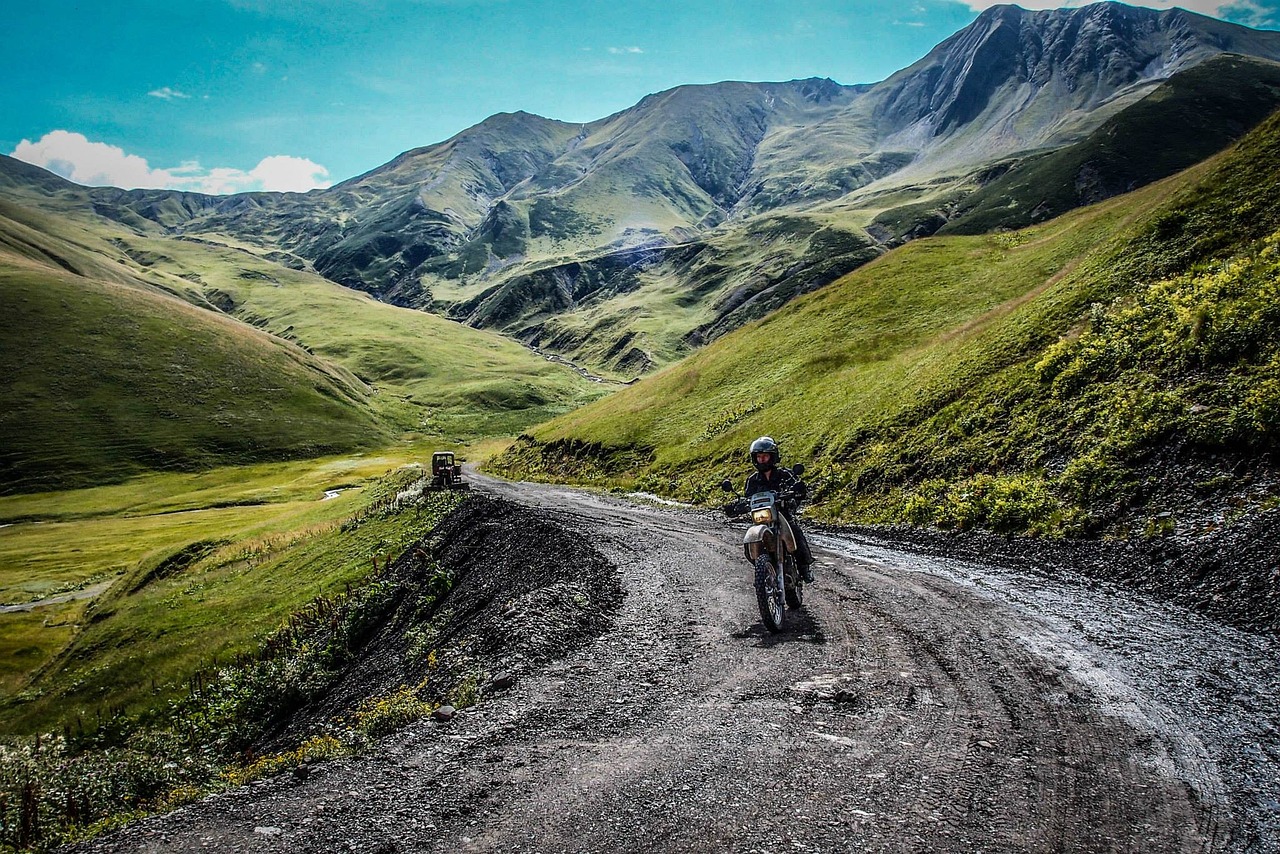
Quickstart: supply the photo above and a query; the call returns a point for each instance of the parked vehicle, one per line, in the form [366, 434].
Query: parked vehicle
[445, 472]
[770, 548]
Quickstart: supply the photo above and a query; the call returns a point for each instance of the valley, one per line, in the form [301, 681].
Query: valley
[628, 242]
[1015, 307]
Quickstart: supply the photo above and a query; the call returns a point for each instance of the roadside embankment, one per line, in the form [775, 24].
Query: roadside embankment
[1231, 574]
[493, 591]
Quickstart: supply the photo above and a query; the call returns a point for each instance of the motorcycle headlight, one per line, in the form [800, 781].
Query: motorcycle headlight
[763, 516]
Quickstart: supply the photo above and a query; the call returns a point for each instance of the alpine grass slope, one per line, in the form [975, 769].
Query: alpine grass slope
[1115, 369]
[128, 350]
[106, 377]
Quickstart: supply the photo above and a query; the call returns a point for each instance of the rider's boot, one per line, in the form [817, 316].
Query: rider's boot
[806, 572]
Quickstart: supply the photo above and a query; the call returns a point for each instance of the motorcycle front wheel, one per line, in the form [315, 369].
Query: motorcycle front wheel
[769, 594]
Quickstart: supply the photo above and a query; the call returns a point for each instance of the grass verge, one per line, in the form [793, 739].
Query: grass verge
[197, 566]
[60, 787]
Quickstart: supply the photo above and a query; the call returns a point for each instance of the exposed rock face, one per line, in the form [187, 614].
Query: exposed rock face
[1025, 79]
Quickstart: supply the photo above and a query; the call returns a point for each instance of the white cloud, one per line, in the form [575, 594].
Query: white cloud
[167, 94]
[75, 158]
[286, 174]
[1251, 11]
[626, 50]
[96, 164]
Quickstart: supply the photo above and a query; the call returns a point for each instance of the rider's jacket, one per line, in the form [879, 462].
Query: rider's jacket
[776, 479]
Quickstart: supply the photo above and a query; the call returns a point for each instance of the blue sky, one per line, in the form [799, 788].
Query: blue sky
[230, 95]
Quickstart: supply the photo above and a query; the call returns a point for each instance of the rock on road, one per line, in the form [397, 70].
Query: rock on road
[913, 705]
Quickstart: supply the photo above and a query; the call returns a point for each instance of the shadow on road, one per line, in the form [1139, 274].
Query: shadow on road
[800, 627]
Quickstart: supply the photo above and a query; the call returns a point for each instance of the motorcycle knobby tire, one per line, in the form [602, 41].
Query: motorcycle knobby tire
[768, 596]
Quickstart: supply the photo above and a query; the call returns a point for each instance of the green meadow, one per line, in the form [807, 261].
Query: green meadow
[180, 572]
[176, 412]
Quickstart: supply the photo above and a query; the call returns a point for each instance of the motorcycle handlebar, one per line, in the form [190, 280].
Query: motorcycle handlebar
[789, 500]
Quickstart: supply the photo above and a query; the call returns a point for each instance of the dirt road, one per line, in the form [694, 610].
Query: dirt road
[914, 705]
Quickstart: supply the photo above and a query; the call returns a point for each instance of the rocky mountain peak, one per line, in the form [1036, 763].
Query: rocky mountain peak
[1011, 61]
[820, 90]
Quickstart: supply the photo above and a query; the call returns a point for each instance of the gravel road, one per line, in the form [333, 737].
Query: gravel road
[916, 704]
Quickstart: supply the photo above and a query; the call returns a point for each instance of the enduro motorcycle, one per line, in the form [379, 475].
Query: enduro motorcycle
[770, 548]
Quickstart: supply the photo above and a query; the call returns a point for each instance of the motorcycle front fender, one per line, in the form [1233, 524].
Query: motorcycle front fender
[759, 539]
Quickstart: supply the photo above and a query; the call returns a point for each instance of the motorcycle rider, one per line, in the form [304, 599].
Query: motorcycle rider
[769, 477]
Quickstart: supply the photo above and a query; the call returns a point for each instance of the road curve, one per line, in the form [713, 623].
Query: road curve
[913, 705]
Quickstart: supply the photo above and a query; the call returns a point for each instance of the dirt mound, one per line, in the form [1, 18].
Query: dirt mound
[496, 588]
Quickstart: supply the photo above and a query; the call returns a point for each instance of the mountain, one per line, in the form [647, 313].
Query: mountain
[1112, 370]
[1192, 115]
[522, 187]
[629, 241]
[1016, 80]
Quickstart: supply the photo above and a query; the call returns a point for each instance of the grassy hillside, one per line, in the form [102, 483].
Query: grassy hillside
[1028, 380]
[129, 352]
[432, 375]
[105, 379]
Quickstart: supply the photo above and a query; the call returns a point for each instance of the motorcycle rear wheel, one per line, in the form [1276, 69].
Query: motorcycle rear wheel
[794, 586]
[795, 596]
[768, 596]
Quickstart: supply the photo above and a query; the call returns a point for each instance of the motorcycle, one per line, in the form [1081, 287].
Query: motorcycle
[770, 547]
